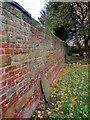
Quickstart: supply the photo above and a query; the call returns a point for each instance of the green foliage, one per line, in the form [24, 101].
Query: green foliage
[68, 14]
[73, 15]
[58, 14]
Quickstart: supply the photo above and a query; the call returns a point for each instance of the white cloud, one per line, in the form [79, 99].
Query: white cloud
[32, 6]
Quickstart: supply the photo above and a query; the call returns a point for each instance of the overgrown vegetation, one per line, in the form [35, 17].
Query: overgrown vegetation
[69, 94]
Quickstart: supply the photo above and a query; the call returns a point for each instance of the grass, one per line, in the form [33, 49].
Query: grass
[69, 95]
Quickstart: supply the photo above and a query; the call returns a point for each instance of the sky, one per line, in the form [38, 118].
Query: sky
[32, 6]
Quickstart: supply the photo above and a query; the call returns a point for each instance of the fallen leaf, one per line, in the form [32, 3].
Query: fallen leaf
[62, 101]
[59, 104]
[40, 116]
[61, 113]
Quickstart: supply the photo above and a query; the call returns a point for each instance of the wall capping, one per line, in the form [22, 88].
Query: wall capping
[12, 2]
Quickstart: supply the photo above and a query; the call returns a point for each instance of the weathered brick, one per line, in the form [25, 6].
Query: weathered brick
[20, 103]
[1, 51]
[12, 90]
[17, 45]
[10, 68]
[3, 76]
[11, 45]
[8, 51]
[9, 112]
[11, 84]
[1, 70]
[3, 83]
[4, 90]
[15, 116]
[11, 102]
[4, 45]
[4, 109]
[5, 60]
[17, 51]
[11, 73]
[16, 71]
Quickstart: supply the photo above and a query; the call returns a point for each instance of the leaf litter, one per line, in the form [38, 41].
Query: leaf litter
[69, 95]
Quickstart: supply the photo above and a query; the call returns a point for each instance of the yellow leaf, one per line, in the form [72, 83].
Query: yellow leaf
[71, 114]
[52, 103]
[49, 112]
[61, 112]
[40, 116]
[38, 112]
[54, 96]
[62, 101]
[56, 109]
[59, 104]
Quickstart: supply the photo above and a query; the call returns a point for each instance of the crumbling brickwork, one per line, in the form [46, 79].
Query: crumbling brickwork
[27, 53]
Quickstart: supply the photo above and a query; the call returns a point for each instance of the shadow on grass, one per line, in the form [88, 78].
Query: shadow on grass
[77, 60]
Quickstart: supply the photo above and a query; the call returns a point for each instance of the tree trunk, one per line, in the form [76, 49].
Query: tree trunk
[81, 52]
[87, 49]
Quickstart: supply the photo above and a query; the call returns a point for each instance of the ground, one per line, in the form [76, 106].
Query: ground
[69, 93]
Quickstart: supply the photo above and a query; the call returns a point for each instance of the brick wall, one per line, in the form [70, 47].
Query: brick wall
[26, 54]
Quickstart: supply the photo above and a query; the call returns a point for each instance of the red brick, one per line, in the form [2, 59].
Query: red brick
[11, 73]
[2, 51]
[25, 105]
[3, 97]
[11, 102]
[26, 50]
[4, 109]
[1, 70]
[3, 83]
[36, 97]
[16, 76]
[11, 84]
[4, 76]
[20, 84]
[24, 71]
[39, 89]
[17, 71]
[10, 80]
[17, 45]
[15, 116]
[11, 45]
[4, 45]
[2, 32]
[9, 51]
[14, 95]
[20, 74]
[3, 104]
[20, 115]
[10, 68]
[15, 98]
[17, 51]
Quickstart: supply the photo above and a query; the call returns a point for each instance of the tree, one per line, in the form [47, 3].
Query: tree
[41, 18]
[63, 32]
[73, 15]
